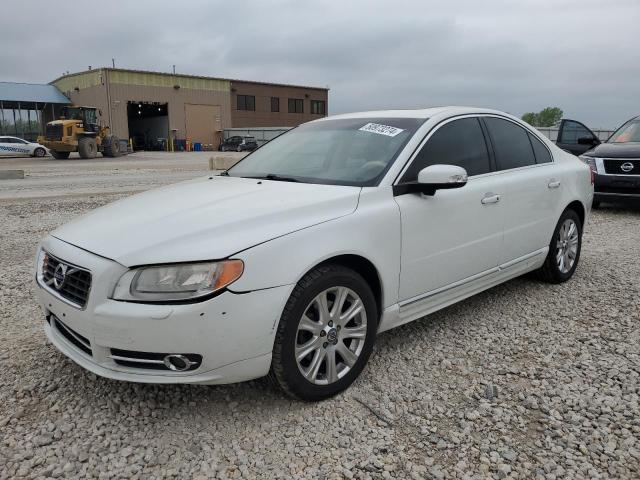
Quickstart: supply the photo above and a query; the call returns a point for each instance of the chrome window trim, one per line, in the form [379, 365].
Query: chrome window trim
[439, 125]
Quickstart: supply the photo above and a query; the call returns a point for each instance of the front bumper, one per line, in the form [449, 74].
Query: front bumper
[233, 333]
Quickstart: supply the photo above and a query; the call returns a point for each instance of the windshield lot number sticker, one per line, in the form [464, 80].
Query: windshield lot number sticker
[381, 129]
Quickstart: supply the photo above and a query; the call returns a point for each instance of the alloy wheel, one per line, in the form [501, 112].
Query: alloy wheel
[331, 335]
[567, 245]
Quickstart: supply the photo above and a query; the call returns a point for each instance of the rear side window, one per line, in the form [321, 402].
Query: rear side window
[460, 143]
[510, 143]
[541, 152]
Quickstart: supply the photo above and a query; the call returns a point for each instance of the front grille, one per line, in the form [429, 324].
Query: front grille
[621, 166]
[72, 336]
[53, 132]
[69, 281]
[152, 361]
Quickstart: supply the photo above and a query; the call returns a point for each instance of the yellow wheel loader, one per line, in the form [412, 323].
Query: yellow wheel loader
[77, 130]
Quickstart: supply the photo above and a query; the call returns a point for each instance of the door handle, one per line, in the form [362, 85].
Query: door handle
[490, 198]
[553, 183]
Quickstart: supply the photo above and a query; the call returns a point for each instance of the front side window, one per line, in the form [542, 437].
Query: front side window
[572, 131]
[246, 102]
[511, 144]
[460, 142]
[296, 105]
[354, 151]
[629, 132]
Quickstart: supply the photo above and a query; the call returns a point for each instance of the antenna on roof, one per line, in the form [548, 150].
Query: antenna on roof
[113, 63]
[174, 69]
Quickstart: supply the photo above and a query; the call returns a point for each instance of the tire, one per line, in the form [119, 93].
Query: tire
[239, 149]
[111, 146]
[39, 152]
[556, 268]
[325, 339]
[60, 155]
[87, 147]
[595, 204]
[223, 149]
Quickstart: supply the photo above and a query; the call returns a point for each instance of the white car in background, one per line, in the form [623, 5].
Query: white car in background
[291, 262]
[14, 146]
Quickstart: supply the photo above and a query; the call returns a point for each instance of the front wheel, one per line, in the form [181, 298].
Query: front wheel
[39, 152]
[564, 249]
[325, 335]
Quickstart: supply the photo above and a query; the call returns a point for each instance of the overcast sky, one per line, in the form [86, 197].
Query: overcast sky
[513, 55]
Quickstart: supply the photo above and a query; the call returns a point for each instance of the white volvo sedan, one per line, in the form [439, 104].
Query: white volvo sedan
[291, 262]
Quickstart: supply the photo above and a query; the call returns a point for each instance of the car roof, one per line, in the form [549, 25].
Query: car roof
[413, 113]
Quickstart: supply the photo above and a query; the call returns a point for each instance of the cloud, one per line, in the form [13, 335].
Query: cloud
[580, 55]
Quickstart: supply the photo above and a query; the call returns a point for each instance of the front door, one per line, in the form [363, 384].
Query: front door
[575, 137]
[454, 234]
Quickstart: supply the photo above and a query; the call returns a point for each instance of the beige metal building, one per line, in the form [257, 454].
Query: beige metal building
[151, 107]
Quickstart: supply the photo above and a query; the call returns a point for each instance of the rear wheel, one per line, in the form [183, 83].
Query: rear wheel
[564, 249]
[60, 155]
[111, 146]
[87, 147]
[325, 335]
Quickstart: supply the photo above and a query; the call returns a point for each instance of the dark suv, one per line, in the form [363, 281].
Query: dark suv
[615, 162]
[239, 144]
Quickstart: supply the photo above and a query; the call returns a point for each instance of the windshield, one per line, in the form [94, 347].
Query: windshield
[354, 151]
[629, 132]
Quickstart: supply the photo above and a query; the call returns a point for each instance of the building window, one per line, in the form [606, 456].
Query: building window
[246, 102]
[318, 107]
[296, 105]
[275, 104]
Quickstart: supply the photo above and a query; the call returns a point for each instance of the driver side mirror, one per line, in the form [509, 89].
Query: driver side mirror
[434, 177]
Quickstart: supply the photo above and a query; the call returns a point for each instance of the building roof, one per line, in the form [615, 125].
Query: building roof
[31, 92]
[190, 76]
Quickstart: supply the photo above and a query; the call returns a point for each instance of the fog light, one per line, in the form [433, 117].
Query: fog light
[177, 363]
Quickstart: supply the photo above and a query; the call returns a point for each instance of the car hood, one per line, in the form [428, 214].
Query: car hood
[615, 150]
[204, 219]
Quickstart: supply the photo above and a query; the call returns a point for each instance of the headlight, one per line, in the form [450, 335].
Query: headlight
[175, 283]
[591, 161]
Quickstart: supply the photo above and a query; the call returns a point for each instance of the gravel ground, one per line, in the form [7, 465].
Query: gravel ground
[527, 380]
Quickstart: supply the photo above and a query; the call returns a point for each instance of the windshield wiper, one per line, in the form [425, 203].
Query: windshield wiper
[277, 178]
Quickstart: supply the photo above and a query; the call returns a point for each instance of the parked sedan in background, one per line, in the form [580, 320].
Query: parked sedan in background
[239, 144]
[14, 146]
[616, 162]
[291, 262]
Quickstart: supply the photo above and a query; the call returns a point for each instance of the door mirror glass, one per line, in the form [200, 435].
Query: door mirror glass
[437, 177]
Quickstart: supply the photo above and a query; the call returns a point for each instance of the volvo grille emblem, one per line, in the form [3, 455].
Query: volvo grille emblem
[626, 167]
[59, 275]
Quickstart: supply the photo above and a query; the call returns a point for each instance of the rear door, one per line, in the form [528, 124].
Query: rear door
[575, 137]
[532, 188]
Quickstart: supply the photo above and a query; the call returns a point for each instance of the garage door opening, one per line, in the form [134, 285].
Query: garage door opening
[148, 125]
